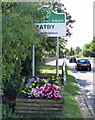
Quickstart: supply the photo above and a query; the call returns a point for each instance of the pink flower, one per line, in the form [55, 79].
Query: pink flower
[49, 96]
[50, 93]
[46, 90]
[41, 89]
[43, 95]
[37, 90]
[49, 84]
[54, 86]
[59, 96]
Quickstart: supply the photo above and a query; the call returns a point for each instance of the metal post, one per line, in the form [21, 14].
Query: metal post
[33, 60]
[57, 56]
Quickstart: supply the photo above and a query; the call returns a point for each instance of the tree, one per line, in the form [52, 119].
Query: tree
[93, 47]
[77, 50]
[89, 49]
[71, 51]
[19, 33]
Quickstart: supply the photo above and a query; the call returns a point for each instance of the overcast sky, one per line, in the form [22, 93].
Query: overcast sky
[82, 12]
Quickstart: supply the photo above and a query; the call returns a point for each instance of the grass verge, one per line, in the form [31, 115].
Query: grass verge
[48, 70]
[70, 107]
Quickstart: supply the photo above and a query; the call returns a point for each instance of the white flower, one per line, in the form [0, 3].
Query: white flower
[31, 80]
[44, 79]
[37, 87]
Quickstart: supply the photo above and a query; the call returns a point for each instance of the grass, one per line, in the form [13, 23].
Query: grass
[72, 85]
[70, 107]
[48, 70]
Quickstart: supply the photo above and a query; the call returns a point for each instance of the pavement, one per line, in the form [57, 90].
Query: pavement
[85, 110]
[83, 106]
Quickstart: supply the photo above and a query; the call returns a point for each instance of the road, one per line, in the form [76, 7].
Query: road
[86, 82]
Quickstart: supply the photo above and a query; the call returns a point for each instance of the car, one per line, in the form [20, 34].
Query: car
[83, 64]
[72, 60]
[67, 57]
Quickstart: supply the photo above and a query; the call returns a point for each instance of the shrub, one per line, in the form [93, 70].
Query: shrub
[6, 111]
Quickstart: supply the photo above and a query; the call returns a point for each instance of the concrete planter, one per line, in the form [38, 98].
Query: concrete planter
[38, 106]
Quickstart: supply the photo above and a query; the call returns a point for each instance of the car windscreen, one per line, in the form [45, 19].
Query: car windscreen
[83, 61]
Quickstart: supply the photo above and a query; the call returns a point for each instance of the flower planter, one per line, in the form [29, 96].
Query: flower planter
[38, 106]
[42, 100]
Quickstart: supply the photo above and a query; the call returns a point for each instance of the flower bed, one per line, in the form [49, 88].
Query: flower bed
[40, 95]
[42, 88]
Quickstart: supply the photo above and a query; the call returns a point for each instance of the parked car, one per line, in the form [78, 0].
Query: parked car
[83, 64]
[67, 57]
[72, 60]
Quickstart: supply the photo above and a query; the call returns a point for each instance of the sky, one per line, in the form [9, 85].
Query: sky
[82, 12]
[94, 19]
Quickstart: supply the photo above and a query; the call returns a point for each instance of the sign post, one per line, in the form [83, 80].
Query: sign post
[33, 60]
[57, 56]
[54, 25]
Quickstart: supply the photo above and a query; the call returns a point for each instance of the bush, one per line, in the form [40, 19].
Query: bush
[6, 111]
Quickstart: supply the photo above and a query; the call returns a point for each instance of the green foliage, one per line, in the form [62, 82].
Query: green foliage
[93, 47]
[26, 64]
[72, 86]
[89, 49]
[78, 55]
[73, 51]
[49, 47]
[71, 89]
[77, 50]
[11, 87]
[70, 106]
[19, 33]
[49, 71]
[7, 5]
[62, 48]
[6, 111]
[38, 57]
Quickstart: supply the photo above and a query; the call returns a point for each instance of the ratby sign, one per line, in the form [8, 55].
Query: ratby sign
[54, 25]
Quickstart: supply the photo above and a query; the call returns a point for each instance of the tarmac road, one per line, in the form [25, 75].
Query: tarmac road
[87, 84]
[85, 80]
